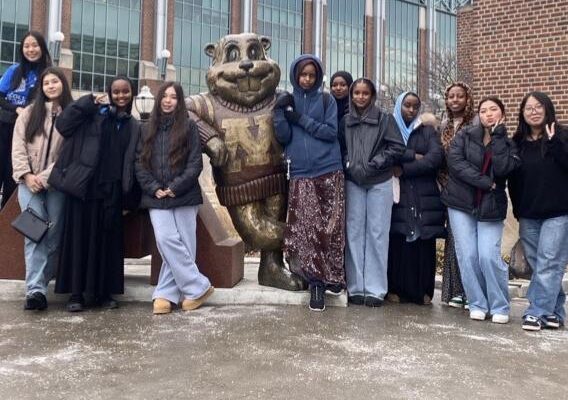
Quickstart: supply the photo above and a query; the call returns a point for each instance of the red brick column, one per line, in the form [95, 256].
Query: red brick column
[38, 20]
[308, 31]
[236, 17]
[370, 57]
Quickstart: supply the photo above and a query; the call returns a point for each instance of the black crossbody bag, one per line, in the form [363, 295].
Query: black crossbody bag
[29, 223]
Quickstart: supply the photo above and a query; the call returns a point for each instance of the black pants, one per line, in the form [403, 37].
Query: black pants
[6, 181]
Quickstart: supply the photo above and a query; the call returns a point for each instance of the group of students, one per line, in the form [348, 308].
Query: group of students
[78, 164]
[369, 192]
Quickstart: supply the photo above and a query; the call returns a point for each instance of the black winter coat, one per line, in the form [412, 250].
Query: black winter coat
[183, 182]
[80, 124]
[370, 146]
[465, 162]
[420, 206]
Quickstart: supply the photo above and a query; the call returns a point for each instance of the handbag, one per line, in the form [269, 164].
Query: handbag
[31, 225]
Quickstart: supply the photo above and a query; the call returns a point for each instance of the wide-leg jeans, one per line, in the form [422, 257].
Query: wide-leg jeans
[41, 258]
[545, 242]
[368, 218]
[484, 274]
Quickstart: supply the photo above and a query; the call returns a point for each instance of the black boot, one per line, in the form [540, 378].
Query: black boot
[35, 301]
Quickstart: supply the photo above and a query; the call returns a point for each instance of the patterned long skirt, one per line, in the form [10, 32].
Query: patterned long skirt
[451, 278]
[314, 239]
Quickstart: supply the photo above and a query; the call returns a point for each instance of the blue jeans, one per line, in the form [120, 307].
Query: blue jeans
[545, 242]
[41, 258]
[174, 230]
[484, 274]
[368, 217]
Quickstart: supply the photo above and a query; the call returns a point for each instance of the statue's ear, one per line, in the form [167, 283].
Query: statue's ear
[210, 50]
[266, 43]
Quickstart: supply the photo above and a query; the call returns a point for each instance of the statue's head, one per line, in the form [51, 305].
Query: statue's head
[241, 71]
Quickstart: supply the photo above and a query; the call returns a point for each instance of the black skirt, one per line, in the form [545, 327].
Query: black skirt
[92, 249]
[411, 268]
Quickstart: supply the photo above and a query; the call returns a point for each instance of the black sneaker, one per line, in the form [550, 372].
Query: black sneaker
[356, 300]
[35, 301]
[107, 303]
[76, 303]
[552, 322]
[531, 323]
[371, 301]
[317, 300]
[334, 290]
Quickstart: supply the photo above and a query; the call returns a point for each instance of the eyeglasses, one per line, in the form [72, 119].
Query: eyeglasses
[536, 109]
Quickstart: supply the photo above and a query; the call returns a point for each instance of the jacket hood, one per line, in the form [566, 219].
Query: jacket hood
[319, 73]
[352, 110]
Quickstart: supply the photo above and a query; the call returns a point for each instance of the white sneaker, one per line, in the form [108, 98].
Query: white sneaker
[477, 315]
[500, 319]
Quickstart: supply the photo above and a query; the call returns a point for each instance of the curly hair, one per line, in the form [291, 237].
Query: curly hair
[468, 115]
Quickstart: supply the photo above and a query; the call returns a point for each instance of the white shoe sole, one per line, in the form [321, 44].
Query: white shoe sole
[317, 309]
[477, 316]
[531, 328]
[500, 319]
[455, 305]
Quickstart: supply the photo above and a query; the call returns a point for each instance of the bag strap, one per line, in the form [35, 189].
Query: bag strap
[53, 117]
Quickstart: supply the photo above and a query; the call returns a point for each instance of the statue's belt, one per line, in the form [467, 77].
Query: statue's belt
[255, 190]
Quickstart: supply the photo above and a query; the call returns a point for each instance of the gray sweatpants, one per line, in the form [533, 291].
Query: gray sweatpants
[174, 230]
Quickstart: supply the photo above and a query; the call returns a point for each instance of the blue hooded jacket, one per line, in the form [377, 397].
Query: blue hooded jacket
[311, 145]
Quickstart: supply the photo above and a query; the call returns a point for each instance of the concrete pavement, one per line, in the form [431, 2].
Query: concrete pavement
[276, 352]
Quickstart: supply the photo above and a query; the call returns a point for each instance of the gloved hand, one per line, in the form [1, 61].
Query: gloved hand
[284, 100]
[292, 116]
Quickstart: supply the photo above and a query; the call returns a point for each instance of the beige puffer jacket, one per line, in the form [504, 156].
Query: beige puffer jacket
[31, 157]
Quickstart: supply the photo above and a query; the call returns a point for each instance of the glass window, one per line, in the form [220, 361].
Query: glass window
[14, 23]
[196, 23]
[282, 22]
[105, 40]
[401, 46]
[345, 37]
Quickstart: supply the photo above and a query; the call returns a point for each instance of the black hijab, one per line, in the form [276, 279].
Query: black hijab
[342, 104]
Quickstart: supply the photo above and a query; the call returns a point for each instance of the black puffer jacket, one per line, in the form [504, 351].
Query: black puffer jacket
[370, 145]
[465, 162]
[420, 206]
[183, 182]
[80, 124]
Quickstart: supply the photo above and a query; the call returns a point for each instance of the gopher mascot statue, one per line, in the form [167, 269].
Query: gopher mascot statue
[236, 130]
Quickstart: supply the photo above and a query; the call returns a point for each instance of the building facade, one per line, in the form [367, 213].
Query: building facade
[389, 41]
[511, 47]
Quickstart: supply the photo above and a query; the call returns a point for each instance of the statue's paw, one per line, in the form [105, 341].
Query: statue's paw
[217, 151]
[278, 276]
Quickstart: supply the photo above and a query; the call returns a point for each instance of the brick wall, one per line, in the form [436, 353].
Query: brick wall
[511, 47]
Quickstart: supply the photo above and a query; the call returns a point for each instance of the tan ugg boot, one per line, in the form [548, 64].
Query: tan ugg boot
[188, 305]
[162, 306]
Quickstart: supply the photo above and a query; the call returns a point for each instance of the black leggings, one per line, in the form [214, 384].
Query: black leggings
[6, 182]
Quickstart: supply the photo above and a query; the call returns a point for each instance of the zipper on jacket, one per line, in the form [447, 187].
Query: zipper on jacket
[163, 139]
[306, 148]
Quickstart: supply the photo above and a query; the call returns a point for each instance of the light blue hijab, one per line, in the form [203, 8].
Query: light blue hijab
[397, 113]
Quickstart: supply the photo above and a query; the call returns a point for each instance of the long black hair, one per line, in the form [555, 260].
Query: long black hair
[25, 65]
[38, 112]
[524, 129]
[179, 145]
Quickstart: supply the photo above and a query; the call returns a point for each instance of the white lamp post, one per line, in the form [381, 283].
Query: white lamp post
[144, 103]
[55, 46]
[164, 56]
